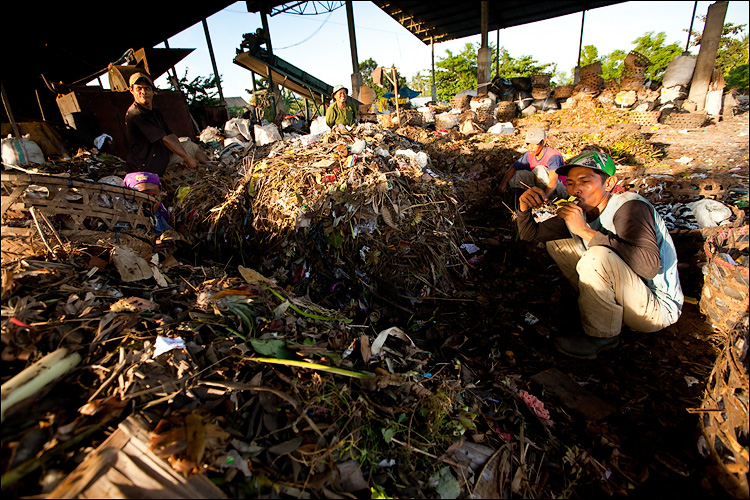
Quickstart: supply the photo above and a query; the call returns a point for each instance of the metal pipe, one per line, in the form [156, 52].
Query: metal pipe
[497, 54]
[267, 33]
[690, 31]
[175, 80]
[580, 43]
[213, 61]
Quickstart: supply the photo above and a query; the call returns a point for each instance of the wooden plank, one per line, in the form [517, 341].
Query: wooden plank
[572, 396]
[124, 467]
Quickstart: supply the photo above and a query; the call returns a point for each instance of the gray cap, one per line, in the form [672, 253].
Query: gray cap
[337, 88]
[535, 136]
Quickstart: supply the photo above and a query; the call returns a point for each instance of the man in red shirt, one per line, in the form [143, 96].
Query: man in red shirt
[537, 167]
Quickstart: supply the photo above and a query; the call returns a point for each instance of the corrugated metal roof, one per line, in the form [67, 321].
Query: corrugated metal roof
[442, 20]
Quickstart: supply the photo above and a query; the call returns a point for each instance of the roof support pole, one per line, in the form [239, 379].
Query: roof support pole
[577, 75]
[267, 33]
[434, 87]
[175, 80]
[497, 55]
[690, 31]
[356, 75]
[213, 62]
[484, 55]
[704, 65]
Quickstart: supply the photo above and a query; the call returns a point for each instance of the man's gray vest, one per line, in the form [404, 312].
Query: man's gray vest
[666, 283]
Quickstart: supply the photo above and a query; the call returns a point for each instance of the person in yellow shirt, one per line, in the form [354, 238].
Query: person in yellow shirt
[343, 111]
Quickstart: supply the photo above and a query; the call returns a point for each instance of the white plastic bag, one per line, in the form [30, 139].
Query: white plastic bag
[710, 213]
[22, 151]
[238, 127]
[209, 134]
[501, 128]
[266, 134]
[318, 126]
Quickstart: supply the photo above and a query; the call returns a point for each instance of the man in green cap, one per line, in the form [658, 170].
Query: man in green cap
[343, 111]
[615, 251]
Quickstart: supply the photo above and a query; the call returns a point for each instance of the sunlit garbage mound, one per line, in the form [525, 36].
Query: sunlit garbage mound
[365, 209]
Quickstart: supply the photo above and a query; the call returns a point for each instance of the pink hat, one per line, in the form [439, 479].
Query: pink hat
[135, 178]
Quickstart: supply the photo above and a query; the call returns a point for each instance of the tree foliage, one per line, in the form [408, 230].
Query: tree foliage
[652, 45]
[201, 91]
[732, 55]
[366, 68]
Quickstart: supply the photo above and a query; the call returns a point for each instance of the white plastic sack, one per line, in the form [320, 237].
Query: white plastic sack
[238, 126]
[209, 134]
[501, 128]
[427, 115]
[238, 139]
[318, 126]
[310, 139]
[266, 134]
[484, 103]
[22, 151]
[679, 71]
[710, 213]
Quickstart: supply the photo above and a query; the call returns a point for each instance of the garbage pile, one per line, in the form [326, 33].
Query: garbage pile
[365, 208]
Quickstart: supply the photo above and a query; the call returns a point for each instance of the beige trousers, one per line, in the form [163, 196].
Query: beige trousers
[610, 293]
[190, 148]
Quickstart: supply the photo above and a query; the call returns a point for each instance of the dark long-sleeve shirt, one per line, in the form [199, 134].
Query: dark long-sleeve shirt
[634, 239]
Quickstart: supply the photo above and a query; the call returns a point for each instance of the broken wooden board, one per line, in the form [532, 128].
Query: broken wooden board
[124, 467]
[571, 395]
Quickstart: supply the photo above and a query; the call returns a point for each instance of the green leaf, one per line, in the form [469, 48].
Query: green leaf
[272, 347]
[388, 433]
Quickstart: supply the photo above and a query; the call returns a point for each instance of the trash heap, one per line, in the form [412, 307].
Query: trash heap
[366, 207]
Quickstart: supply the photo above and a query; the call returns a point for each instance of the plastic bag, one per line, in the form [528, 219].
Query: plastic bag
[501, 128]
[318, 126]
[446, 120]
[22, 151]
[266, 134]
[710, 213]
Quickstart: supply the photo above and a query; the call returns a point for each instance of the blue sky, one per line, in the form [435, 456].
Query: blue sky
[319, 44]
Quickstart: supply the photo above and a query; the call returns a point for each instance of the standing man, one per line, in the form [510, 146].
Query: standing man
[615, 251]
[537, 167]
[152, 146]
[343, 111]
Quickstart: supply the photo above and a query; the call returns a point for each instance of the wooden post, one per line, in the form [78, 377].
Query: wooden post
[704, 65]
[175, 80]
[434, 87]
[213, 61]
[6, 103]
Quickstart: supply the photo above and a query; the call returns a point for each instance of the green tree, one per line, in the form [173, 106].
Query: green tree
[613, 64]
[454, 73]
[589, 55]
[652, 45]
[201, 91]
[732, 55]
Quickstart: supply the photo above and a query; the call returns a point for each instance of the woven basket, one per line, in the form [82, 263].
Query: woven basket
[631, 83]
[594, 69]
[505, 110]
[637, 60]
[562, 92]
[724, 413]
[644, 117]
[541, 80]
[687, 120]
[540, 92]
[724, 299]
[43, 212]
[461, 102]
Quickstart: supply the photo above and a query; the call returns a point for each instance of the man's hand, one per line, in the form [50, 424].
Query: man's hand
[191, 162]
[575, 219]
[531, 198]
